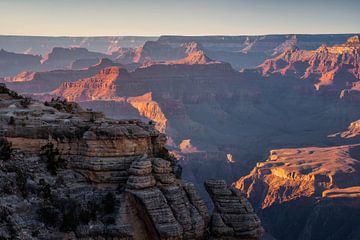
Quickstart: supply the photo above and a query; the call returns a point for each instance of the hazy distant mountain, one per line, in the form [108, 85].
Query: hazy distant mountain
[43, 45]
[13, 63]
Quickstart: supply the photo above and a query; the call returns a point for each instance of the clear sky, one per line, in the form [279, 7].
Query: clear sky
[177, 17]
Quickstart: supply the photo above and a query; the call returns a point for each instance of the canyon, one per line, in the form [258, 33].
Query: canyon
[67, 173]
[284, 129]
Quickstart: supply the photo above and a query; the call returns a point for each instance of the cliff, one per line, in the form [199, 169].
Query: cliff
[314, 187]
[41, 82]
[73, 174]
[331, 68]
[62, 58]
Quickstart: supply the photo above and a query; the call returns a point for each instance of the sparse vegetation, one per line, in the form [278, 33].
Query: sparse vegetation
[70, 210]
[11, 121]
[109, 202]
[25, 102]
[48, 214]
[92, 117]
[5, 149]
[21, 181]
[7, 187]
[5, 90]
[52, 157]
[68, 213]
[62, 105]
[45, 190]
[89, 212]
[6, 222]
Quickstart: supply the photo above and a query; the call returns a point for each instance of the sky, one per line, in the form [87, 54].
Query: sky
[177, 17]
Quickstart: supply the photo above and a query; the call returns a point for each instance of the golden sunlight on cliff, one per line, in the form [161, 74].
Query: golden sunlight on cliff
[186, 146]
[149, 109]
[292, 173]
[100, 86]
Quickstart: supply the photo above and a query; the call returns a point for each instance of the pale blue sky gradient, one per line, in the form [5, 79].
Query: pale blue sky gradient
[177, 17]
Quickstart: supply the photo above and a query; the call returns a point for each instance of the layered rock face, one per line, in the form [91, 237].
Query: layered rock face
[353, 131]
[330, 68]
[42, 82]
[250, 51]
[156, 53]
[306, 185]
[62, 58]
[100, 86]
[72, 174]
[233, 215]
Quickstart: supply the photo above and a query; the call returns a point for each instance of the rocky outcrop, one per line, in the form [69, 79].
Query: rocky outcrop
[153, 51]
[42, 82]
[150, 109]
[311, 186]
[329, 67]
[174, 208]
[233, 216]
[289, 174]
[99, 86]
[73, 174]
[352, 131]
[195, 57]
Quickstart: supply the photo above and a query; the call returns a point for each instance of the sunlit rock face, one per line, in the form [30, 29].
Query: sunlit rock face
[100, 86]
[306, 183]
[43, 82]
[329, 67]
[149, 109]
[353, 131]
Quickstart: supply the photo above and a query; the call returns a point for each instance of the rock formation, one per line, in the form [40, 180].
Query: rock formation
[310, 186]
[62, 58]
[331, 68]
[73, 174]
[42, 82]
[233, 216]
[352, 131]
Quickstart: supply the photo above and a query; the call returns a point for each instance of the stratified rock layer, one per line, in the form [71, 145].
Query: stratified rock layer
[233, 216]
[315, 187]
[66, 173]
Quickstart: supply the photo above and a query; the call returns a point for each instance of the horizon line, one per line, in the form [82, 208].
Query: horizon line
[175, 35]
